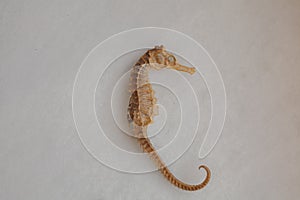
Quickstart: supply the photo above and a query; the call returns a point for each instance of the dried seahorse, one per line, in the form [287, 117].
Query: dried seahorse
[142, 107]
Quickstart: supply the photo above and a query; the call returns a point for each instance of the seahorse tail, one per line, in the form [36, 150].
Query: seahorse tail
[172, 179]
[147, 147]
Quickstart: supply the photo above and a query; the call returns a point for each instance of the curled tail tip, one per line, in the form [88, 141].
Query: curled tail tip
[205, 168]
[208, 173]
[202, 166]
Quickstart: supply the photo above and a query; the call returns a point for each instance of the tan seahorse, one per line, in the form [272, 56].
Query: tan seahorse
[142, 107]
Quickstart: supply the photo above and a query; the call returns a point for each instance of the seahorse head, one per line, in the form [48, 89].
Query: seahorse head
[159, 58]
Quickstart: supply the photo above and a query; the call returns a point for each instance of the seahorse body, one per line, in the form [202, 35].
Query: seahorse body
[142, 107]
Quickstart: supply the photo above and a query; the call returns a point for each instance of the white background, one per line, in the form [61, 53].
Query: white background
[256, 45]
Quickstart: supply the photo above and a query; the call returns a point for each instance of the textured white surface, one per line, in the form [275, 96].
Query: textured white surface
[256, 44]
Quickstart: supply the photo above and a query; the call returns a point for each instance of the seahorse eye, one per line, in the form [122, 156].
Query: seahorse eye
[171, 59]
